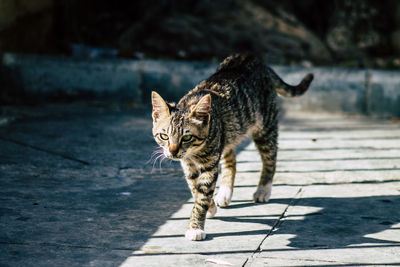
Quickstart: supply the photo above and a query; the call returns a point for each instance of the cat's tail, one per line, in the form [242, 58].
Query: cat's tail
[286, 90]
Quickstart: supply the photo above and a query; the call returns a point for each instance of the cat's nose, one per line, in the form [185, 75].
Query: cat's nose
[173, 149]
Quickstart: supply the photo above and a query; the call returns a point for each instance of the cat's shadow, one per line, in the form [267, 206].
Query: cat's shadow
[243, 204]
[338, 223]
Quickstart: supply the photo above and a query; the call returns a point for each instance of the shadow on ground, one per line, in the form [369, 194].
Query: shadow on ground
[339, 222]
[77, 187]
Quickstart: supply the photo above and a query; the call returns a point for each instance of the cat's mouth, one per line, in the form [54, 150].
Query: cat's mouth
[173, 157]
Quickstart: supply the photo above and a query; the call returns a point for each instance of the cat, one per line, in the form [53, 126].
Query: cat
[204, 127]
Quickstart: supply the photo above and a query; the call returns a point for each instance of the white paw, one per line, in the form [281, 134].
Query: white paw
[195, 234]
[211, 211]
[224, 196]
[263, 193]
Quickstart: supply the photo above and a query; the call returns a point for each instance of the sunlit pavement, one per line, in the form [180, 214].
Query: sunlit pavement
[79, 187]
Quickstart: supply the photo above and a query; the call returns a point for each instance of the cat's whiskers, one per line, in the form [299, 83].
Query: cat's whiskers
[158, 155]
[155, 160]
[157, 152]
[162, 161]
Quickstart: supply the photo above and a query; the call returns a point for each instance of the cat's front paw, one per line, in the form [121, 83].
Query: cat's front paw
[224, 196]
[263, 193]
[195, 234]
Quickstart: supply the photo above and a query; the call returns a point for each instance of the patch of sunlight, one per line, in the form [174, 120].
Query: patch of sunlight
[392, 234]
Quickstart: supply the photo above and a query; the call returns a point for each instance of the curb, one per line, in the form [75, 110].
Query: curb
[354, 91]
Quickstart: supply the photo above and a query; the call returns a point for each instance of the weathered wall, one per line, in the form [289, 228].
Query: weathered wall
[353, 91]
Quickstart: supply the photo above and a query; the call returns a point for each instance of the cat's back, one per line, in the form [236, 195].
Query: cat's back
[239, 84]
[236, 74]
[236, 67]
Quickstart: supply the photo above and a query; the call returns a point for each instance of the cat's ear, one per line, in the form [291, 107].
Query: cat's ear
[202, 110]
[160, 107]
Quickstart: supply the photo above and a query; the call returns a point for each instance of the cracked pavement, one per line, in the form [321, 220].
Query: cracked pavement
[78, 188]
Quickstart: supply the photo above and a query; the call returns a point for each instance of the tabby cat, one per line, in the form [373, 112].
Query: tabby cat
[203, 129]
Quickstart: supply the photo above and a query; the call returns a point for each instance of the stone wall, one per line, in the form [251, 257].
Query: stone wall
[334, 90]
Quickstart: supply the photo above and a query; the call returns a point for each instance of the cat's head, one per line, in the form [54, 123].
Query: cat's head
[180, 132]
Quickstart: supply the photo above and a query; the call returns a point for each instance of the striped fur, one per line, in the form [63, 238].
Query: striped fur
[203, 129]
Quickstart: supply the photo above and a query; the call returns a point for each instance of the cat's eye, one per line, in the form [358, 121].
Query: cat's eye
[164, 137]
[186, 138]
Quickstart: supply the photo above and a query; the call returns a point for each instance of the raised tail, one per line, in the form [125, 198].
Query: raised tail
[286, 90]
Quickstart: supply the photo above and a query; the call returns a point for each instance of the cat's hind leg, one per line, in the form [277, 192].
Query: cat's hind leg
[228, 172]
[266, 142]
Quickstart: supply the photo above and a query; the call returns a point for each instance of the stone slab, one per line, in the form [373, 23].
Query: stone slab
[77, 189]
[338, 225]
[232, 235]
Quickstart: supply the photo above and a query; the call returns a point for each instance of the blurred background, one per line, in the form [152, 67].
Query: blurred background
[350, 33]
[80, 49]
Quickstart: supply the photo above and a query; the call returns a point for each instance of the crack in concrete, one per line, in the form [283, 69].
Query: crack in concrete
[337, 263]
[258, 250]
[45, 244]
[333, 170]
[63, 155]
[322, 159]
[355, 148]
[343, 183]
[311, 260]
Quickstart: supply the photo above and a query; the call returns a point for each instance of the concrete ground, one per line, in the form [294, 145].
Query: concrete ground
[78, 187]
